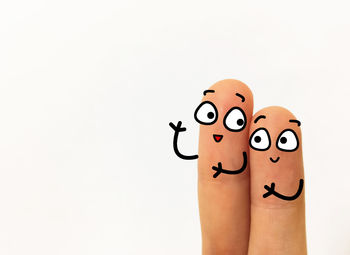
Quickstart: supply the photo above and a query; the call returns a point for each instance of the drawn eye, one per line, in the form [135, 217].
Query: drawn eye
[235, 119]
[260, 140]
[206, 113]
[287, 140]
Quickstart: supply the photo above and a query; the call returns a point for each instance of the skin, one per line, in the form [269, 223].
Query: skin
[224, 202]
[257, 208]
[277, 225]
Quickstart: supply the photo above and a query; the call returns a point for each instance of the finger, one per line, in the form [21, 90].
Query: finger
[277, 178]
[224, 196]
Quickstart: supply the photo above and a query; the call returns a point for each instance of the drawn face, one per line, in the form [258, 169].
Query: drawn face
[223, 114]
[287, 140]
[234, 121]
[274, 143]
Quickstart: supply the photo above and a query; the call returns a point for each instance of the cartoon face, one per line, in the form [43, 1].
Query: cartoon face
[224, 115]
[234, 120]
[275, 147]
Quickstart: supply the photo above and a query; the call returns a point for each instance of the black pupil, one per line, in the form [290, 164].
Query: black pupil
[257, 139]
[240, 122]
[210, 115]
[283, 140]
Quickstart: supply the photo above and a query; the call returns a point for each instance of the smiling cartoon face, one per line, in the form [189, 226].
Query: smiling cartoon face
[223, 115]
[275, 149]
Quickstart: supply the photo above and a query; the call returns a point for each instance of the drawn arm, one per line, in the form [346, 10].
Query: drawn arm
[271, 191]
[220, 170]
[177, 130]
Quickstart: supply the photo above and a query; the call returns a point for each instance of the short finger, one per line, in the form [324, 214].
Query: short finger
[277, 184]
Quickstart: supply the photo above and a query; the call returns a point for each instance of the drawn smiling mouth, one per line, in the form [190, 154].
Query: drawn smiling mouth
[220, 170]
[217, 138]
[275, 160]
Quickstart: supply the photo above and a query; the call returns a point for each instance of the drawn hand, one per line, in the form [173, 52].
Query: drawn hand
[178, 127]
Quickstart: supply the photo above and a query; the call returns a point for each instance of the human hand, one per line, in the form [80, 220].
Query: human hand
[255, 204]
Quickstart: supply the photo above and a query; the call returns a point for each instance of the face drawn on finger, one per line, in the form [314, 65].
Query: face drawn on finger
[287, 140]
[234, 120]
[230, 119]
[275, 147]
[224, 115]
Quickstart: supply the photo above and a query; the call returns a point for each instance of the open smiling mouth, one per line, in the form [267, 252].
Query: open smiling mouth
[271, 191]
[275, 160]
[217, 138]
[220, 170]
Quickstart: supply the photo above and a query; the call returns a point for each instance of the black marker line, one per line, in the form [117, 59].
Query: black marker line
[279, 137]
[241, 96]
[208, 91]
[252, 135]
[274, 160]
[177, 130]
[244, 120]
[215, 114]
[220, 170]
[296, 121]
[259, 117]
[271, 191]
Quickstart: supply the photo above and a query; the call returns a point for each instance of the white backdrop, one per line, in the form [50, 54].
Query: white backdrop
[87, 89]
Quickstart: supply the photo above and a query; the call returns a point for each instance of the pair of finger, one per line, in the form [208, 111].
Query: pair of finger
[250, 175]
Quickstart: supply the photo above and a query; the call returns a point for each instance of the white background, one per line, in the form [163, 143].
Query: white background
[87, 89]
